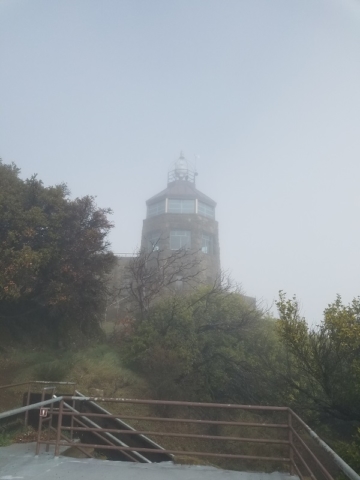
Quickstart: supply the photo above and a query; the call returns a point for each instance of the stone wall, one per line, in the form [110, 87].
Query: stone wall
[197, 225]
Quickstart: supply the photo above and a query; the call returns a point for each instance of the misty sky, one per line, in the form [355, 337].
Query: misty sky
[264, 94]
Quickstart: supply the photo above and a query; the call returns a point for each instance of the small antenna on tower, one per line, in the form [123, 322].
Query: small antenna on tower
[196, 156]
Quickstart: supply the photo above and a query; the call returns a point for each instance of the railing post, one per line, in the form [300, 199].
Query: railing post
[50, 421]
[27, 404]
[58, 433]
[72, 421]
[40, 425]
[291, 440]
[38, 436]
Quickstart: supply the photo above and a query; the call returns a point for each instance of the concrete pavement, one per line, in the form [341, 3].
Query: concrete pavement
[18, 462]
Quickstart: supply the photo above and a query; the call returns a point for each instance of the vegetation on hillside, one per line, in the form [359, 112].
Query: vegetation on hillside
[54, 258]
[323, 369]
[213, 346]
[323, 364]
[203, 347]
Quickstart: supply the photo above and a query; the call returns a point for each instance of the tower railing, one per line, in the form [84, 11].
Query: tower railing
[186, 175]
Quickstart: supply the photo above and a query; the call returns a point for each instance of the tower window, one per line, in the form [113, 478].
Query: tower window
[179, 205]
[206, 210]
[180, 239]
[153, 240]
[156, 209]
[207, 245]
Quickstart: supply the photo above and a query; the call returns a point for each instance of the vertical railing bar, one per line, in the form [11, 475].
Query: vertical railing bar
[71, 444]
[39, 426]
[304, 463]
[38, 436]
[320, 465]
[27, 404]
[291, 442]
[50, 420]
[72, 421]
[58, 433]
[298, 471]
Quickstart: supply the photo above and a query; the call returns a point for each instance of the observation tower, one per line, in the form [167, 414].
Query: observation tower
[182, 217]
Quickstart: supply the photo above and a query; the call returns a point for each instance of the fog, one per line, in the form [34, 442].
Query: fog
[262, 95]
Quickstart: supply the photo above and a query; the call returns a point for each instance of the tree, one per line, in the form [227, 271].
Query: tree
[53, 257]
[194, 346]
[324, 363]
[153, 274]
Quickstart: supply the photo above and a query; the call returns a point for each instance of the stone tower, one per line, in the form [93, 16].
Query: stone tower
[181, 217]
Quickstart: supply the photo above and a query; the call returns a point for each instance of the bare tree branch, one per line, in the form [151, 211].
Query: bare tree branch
[153, 274]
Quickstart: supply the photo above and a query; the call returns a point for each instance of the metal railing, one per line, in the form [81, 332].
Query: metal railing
[343, 466]
[29, 390]
[34, 406]
[296, 454]
[282, 444]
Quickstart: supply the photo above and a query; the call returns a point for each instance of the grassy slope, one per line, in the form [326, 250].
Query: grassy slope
[97, 370]
[96, 367]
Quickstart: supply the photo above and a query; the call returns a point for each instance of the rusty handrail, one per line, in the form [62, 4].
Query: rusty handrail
[344, 467]
[177, 403]
[101, 437]
[29, 384]
[180, 435]
[303, 462]
[266, 441]
[295, 457]
[72, 428]
[35, 382]
[173, 452]
[319, 464]
[16, 411]
[190, 420]
[293, 435]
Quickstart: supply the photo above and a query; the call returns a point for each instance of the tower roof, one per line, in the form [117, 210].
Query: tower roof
[181, 189]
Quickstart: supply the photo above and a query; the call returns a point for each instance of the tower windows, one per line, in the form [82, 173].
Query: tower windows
[206, 210]
[207, 244]
[156, 209]
[153, 240]
[180, 205]
[180, 239]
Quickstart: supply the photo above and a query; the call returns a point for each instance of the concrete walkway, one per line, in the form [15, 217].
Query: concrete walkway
[18, 461]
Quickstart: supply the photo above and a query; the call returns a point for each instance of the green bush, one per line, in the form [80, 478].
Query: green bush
[350, 452]
[54, 371]
[196, 347]
[8, 429]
